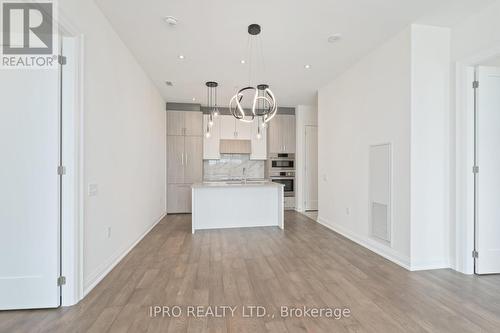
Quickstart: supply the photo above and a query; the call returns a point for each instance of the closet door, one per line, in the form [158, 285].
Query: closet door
[193, 123]
[193, 160]
[488, 177]
[175, 123]
[175, 159]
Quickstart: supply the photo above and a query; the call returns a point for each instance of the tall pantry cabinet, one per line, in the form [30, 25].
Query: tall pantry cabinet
[184, 158]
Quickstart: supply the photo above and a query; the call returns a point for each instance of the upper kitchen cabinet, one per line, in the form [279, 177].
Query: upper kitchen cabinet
[188, 123]
[193, 123]
[227, 127]
[244, 129]
[233, 129]
[282, 134]
[211, 142]
[259, 145]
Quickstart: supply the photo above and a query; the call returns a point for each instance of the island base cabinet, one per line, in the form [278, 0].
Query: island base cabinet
[179, 198]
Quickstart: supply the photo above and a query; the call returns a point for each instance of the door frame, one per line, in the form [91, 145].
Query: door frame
[464, 159]
[71, 256]
[305, 182]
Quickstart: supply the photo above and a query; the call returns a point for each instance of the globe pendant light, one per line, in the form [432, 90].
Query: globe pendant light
[262, 100]
[211, 105]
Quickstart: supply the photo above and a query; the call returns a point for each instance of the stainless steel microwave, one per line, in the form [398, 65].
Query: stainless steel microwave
[282, 162]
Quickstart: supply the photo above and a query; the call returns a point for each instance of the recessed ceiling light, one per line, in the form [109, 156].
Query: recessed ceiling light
[334, 38]
[170, 20]
[181, 56]
[307, 66]
[242, 61]
[169, 83]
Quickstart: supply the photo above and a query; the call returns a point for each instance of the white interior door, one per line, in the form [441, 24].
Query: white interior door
[488, 178]
[311, 168]
[29, 190]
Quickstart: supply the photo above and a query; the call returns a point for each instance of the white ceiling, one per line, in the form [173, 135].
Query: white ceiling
[212, 36]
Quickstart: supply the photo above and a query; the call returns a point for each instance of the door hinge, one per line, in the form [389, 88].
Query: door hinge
[475, 84]
[61, 170]
[475, 169]
[475, 254]
[62, 60]
[61, 281]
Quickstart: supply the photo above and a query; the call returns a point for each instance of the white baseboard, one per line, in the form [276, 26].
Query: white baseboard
[370, 244]
[103, 270]
[425, 266]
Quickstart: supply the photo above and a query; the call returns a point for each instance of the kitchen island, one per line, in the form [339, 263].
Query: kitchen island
[218, 205]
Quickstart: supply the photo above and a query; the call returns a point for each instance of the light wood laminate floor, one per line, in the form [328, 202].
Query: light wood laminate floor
[305, 265]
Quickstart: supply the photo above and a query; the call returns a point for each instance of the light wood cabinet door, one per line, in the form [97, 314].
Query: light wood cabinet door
[178, 198]
[193, 123]
[211, 143]
[175, 122]
[288, 131]
[175, 159]
[193, 159]
[227, 128]
[274, 135]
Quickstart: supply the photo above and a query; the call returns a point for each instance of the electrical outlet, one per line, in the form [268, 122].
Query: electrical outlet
[92, 190]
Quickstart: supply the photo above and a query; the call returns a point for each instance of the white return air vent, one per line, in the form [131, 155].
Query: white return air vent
[380, 192]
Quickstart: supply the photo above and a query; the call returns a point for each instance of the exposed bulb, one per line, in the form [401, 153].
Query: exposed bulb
[264, 125]
[259, 136]
[208, 135]
[216, 112]
[210, 123]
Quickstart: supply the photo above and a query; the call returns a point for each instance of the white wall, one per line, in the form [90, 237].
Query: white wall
[305, 115]
[397, 94]
[124, 143]
[430, 183]
[368, 104]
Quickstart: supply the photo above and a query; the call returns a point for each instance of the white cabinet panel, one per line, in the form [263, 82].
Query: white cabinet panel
[244, 130]
[211, 144]
[227, 127]
[259, 146]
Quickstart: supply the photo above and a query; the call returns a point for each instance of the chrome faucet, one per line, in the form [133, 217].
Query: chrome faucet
[244, 176]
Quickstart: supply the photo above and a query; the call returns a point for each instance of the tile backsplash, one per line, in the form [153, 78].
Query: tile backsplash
[231, 166]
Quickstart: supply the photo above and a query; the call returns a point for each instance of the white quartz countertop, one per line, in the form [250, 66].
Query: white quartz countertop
[249, 183]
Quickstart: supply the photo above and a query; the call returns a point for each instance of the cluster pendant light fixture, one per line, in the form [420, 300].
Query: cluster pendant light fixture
[211, 105]
[262, 100]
